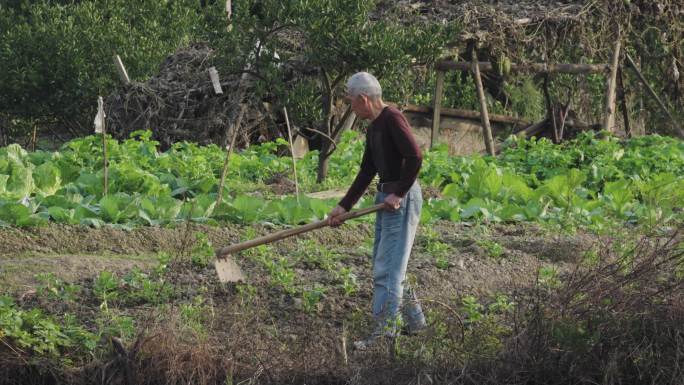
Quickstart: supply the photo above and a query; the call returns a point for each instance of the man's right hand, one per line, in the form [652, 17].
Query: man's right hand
[333, 219]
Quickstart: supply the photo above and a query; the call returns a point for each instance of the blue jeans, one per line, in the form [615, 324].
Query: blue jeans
[394, 235]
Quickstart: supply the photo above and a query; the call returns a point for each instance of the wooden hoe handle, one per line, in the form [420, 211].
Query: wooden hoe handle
[224, 251]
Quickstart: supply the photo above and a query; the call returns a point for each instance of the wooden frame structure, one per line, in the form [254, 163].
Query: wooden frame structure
[614, 92]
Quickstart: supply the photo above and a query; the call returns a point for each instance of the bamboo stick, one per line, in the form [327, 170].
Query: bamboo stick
[106, 163]
[641, 77]
[236, 128]
[123, 74]
[34, 138]
[487, 128]
[229, 14]
[294, 162]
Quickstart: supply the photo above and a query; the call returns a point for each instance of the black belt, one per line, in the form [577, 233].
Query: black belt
[388, 187]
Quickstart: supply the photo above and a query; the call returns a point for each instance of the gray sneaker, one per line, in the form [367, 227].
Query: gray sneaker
[414, 330]
[367, 343]
[374, 338]
[412, 314]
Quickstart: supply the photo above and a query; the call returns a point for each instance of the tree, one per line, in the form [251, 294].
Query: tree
[56, 56]
[319, 44]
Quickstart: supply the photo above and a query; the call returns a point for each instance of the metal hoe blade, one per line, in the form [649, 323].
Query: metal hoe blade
[228, 270]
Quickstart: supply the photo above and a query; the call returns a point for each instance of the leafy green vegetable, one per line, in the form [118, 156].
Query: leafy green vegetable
[590, 180]
[47, 178]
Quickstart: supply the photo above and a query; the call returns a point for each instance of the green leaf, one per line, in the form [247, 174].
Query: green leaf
[485, 182]
[319, 207]
[455, 215]
[515, 188]
[619, 194]
[85, 211]
[14, 153]
[167, 208]
[452, 190]
[20, 183]
[90, 183]
[512, 212]
[62, 215]
[246, 209]
[109, 208]
[118, 208]
[92, 222]
[58, 201]
[474, 207]
[199, 209]
[534, 210]
[206, 184]
[47, 178]
[426, 215]
[14, 213]
[158, 210]
[3, 184]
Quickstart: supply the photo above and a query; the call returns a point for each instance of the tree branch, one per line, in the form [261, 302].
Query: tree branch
[323, 134]
[339, 78]
[326, 82]
[280, 28]
[340, 124]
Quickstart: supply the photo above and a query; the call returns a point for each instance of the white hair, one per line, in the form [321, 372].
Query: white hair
[364, 83]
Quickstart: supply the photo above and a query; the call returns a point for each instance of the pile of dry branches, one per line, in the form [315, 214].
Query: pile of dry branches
[180, 103]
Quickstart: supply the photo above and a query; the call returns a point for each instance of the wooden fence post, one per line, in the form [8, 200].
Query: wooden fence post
[550, 111]
[609, 118]
[34, 138]
[622, 96]
[437, 107]
[551, 68]
[487, 129]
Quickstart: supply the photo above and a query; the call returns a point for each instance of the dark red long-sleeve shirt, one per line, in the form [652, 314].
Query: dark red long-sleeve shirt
[390, 151]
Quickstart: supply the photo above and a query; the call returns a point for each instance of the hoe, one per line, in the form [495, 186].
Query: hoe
[229, 271]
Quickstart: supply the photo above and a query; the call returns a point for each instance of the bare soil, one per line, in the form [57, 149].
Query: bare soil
[267, 336]
[74, 250]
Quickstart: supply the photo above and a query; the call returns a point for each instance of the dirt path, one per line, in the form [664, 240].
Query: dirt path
[78, 239]
[18, 273]
[73, 251]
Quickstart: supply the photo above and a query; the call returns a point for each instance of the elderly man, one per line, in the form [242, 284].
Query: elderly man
[392, 152]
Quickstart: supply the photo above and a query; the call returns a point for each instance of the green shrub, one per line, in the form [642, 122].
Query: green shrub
[56, 58]
[202, 252]
[33, 330]
[311, 298]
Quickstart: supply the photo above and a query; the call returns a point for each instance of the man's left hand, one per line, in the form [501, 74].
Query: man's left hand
[392, 202]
